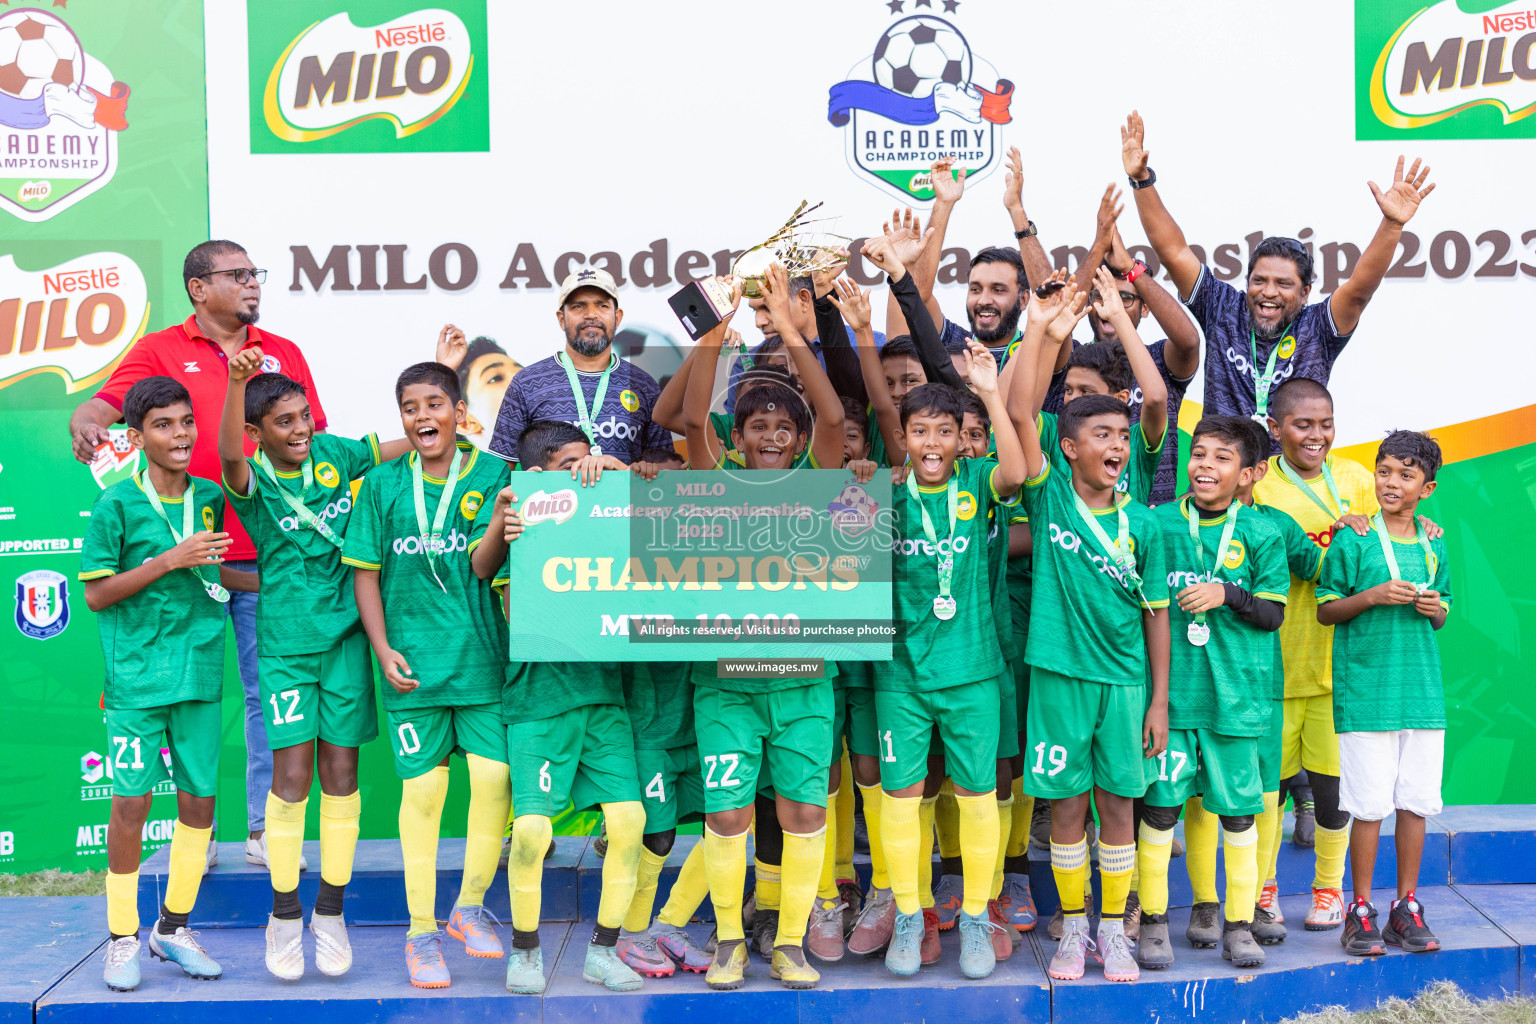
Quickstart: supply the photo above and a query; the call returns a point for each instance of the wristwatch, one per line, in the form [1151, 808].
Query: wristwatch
[1029, 232]
[1137, 269]
[1151, 180]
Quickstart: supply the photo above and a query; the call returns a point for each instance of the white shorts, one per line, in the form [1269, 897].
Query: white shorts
[1382, 772]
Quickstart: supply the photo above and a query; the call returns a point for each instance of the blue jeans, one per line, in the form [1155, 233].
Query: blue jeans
[258, 756]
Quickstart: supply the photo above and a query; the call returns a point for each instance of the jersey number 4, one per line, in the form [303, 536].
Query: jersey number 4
[729, 762]
[656, 789]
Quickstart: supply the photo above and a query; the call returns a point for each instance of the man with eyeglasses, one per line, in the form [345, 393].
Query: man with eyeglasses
[1261, 337]
[225, 288]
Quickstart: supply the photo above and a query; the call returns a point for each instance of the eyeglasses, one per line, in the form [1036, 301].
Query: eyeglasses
[240, 274]
[1126, 298]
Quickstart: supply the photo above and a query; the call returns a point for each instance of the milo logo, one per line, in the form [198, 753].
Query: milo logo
[541, 507]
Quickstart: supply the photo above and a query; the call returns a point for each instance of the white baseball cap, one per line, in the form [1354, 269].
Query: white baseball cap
[588, 277]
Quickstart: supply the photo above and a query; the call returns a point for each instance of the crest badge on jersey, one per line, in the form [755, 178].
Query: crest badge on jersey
[470, 504]
[1287, 346]
[207, 518]
[965, 506]
[1235, 554]
[271, 364]
[42, 604]
[921, 95]
[327, 474]
[629, 400]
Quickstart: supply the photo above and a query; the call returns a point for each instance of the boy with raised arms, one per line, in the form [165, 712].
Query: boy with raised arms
[1228, 566]
[568, 738]
[1097, 644]
[743, 723]
[295, 497]
[1386, 594]
[440, 641]
[946, 667]
[150, 564]
[1317, 490]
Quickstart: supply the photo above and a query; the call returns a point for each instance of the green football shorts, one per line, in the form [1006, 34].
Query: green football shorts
[967, 718]
[861, 727]
[1008, 714]
[423, 737]
[1020, 669]
[789, 729]
[1222, 770]
[1083, 734]
[189, 732]
[672, 788]
[1271, 749]
[327, 695]
[583, 757]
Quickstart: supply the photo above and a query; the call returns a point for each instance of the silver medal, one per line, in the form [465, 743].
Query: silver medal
[1199, 634]
[944, 607]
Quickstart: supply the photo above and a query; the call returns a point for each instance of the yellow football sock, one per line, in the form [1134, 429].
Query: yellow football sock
[1004, 828]
[725, 865]
[490, 795]
[826, 887]
[1332, 845]
[803, 859]
[285, 841]
[766, 884]
[644, 902]
[901, 838]
[1265, 823]
[626, 830]
[189, 859]
[1152, 854]
[1115, 866]
[946, 819]
[978, 848]
[1274, 851]
[1069, 865]
[123, 903]
[525, 869]
[878, 877]
[688, 892]
[1200, 831]
[1241, 857]
[925, 819]
[421, 818]
[1023, 811]
[340, 818]
[842, 857]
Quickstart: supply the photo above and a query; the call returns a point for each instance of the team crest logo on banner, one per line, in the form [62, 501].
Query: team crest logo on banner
[922, 94]
[42, 604]
[63, 111]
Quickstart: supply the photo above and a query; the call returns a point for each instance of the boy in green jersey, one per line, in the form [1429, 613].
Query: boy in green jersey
[440, 641]
[791, 720]
[1386, 594]
[568, 739]
[1228, 567]
[946, 667]
[1096, 642]
[295, 498]
[150, 564]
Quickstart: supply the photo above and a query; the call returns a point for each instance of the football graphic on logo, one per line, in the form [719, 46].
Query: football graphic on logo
[918, 53]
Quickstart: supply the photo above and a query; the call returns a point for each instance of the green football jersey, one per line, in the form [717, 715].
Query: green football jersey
[930, 653]
[1020, 581]
[856, 675]
[659, 696]
[446, 623]
[997, 575]
[1304, 559]
[306, 601]
[543, 689]
[1084, 617]
[1227, 685]
[1140, 469]
[164, 644]
[1386, 663]
[877, 453]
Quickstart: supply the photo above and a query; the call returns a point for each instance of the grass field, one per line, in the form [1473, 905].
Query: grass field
[55, 883]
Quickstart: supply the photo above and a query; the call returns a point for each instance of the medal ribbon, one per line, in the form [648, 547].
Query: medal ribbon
[952, 502]
[587, 414]
[1192, 512]
[300, 509]
[1262, 385]
[1294, 478]
[188, 500]
[431, 542]
[1430, 562]
[1119, 550]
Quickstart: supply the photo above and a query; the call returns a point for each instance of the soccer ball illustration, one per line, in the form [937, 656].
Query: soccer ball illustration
[918, 53]
[37, 49]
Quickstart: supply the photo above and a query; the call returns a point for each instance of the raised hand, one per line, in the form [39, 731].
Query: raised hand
[1073, 309]
[1133, 150]
[1013, 185]
[1401, 201]
[947, 188]
[1109, 211]
[201, 549]
[980, 367]
[1119, 257]
[451, 346]
[822, 280]
[879, 250]
[1107, 286]
[775, 292]
[853, 302]
[907, 236]
[245, 364]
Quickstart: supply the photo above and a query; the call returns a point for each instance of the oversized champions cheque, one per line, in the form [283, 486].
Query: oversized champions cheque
[701, 565]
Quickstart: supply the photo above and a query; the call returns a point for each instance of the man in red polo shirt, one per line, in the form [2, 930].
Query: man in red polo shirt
[225, 289]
